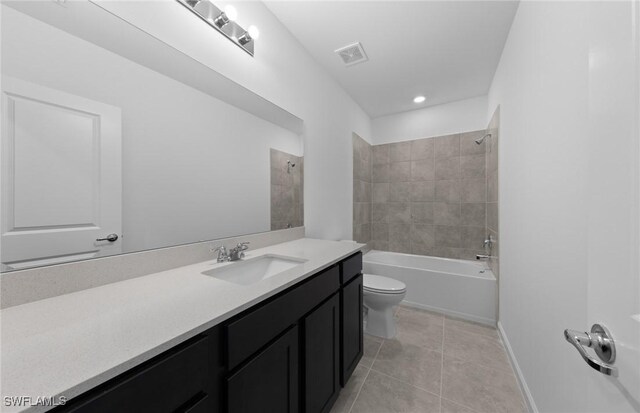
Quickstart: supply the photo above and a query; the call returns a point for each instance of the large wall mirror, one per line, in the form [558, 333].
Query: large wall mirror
[102, 155]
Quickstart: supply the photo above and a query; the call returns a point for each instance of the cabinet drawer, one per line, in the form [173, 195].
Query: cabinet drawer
[253, 330]
[179, 380]
[351, 267]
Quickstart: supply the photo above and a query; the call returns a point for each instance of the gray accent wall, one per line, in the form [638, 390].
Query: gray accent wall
[428, 196]
[287, 191]
[361, 190]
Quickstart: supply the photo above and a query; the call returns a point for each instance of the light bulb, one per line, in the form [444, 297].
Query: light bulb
[419, 99]
[231, 12]
[253, 32]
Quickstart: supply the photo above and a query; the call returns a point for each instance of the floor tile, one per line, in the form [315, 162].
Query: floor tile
[470, 327]
[383, 394]
[411, 364]
[475, 348]
[370, 346]
[421, 328]
[349, 393]
[448, 406]
[484, 389]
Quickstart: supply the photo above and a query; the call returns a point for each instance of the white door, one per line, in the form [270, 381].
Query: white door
[61, 176]
[613, 286]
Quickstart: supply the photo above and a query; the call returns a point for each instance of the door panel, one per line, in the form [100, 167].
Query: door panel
[269, 382]
[61, 176]
[322, 356]
[614, 212]
[352, 334]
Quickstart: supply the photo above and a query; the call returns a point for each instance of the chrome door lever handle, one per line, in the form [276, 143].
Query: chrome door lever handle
[600, 340]
[110, 238]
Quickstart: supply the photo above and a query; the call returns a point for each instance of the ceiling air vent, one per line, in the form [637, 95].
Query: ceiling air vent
[352, 54]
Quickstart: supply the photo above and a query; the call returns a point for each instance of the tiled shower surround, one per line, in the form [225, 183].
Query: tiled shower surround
[287, 186]
[428, 196]
[492, 190]
[361, 190]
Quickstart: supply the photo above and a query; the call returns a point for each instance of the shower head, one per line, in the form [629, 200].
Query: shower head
[289, 166]
[480, 140]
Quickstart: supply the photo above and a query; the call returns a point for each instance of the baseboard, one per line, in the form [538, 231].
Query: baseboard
[531, 405]
[463, 316]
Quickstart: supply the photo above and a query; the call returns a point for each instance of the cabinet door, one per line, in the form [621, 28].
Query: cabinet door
[269, 382]
[322, 356]
[351, 327]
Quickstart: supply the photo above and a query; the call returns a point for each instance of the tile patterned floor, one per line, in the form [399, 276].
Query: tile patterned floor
[436, 364]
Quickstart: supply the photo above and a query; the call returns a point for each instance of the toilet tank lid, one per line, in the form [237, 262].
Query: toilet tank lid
[380, 283]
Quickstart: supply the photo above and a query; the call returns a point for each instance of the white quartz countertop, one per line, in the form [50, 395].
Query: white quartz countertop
[66, 345]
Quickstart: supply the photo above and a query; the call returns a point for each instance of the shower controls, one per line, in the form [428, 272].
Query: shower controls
[601, 341]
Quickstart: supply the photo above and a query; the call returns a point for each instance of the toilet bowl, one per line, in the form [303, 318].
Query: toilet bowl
[381, 295]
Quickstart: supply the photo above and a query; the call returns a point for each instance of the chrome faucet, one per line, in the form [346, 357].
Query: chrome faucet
[237, 253]
[222, 253]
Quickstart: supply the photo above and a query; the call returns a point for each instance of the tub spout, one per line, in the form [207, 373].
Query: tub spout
[483, 257]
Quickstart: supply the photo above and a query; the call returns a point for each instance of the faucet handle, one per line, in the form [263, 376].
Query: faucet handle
[243, 246]
[222, 253]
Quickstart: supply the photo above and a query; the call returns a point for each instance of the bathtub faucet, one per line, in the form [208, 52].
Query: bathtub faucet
[483, 257]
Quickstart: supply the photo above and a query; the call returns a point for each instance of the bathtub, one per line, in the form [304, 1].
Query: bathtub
[465, 289]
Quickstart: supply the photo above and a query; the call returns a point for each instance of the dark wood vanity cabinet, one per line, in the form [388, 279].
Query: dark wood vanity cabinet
[269, 382]
[288, 354]
[322, 356]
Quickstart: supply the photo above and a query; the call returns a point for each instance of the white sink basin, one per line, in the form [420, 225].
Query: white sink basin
[252, 270]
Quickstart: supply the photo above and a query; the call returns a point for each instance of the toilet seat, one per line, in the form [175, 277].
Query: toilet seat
[383, 285]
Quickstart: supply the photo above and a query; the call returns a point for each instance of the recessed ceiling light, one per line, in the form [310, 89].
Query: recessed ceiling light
[419, 99]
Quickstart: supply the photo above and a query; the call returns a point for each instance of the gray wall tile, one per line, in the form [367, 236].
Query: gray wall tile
[380, 231]
[380, 173]
[380, 192]
[400, 151]
[400, 192]
[447, 236]
[423, 170]
[422, 212]
[422, 149]
[380, 154]
[423, 191]
[472, 166]
[473, 237]
[446, 214]
[429, 196]
[448, 168]
[380, 212]
[400, 171]
[399, 212]
[448, 190]
[447, 146]
[473, 190]
[473, 214]
[468, 145]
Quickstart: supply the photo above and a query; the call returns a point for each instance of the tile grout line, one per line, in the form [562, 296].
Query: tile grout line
[355, 399]
[444, 320]
[405, 382]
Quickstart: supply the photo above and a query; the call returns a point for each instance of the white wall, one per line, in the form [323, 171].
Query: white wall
[194, 168]
[461, 116]
[284, 73]
[548, 152]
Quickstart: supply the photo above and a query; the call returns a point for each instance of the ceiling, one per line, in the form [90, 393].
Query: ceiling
[444, 50]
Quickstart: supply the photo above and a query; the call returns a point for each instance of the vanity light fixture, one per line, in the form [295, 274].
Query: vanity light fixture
[419, 99]
[224, 22]
[230, 14]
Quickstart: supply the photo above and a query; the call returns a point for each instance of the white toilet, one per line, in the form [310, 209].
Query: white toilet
[381, 295]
